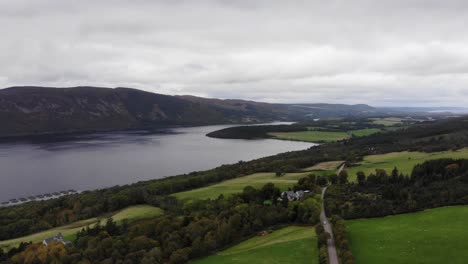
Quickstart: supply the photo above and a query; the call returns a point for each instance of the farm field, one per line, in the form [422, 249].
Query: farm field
[311, 136]
[326, 166]
[228, 187]
[288, 245]
[323, 136]
[387, 121]
[432, 236]
[131, 213]
[404, 161]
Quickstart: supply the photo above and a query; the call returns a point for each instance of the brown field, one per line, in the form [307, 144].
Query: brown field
[325, 166]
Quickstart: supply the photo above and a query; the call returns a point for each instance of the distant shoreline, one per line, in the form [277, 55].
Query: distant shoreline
[46, 135]
[40, 197]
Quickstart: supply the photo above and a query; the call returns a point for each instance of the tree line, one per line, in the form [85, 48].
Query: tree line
[322, 238]
[341, 240]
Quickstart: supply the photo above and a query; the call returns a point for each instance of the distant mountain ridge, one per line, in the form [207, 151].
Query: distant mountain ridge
[37, 110]
[31, 110]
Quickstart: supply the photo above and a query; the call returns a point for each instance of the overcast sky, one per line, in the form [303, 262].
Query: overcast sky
[384, 53]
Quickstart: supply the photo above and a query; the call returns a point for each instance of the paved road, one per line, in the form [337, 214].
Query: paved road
[332, 255]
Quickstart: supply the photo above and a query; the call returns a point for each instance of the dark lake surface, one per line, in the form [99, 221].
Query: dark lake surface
[94, 161]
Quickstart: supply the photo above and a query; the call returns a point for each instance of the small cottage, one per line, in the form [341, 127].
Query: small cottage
[57, 238]
[293, 196]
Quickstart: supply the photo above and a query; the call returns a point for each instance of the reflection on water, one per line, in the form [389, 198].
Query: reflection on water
[106, 159]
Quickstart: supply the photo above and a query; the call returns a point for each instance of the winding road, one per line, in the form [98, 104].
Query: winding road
[332, 255]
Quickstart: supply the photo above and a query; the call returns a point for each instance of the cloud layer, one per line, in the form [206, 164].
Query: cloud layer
[408, 53]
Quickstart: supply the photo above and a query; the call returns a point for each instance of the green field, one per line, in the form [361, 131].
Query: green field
[292, 244]
[228, 187]
[404, 161]
[387, 121]
[323, 136]
[132, 213]
[433, 236]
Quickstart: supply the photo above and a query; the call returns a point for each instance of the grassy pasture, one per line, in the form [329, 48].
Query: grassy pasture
[432, 236]
[228, 187]
[323, 136]
[131, 213]
[288, 245]
[404, 161]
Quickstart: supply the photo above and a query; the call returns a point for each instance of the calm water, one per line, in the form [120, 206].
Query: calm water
[103, 160]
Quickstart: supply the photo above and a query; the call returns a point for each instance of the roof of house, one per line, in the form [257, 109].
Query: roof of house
[57, 238]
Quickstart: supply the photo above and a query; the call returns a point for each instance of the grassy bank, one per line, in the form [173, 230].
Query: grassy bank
[288, 245]
[433, 236]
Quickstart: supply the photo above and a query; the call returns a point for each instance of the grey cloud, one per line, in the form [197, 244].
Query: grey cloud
[379, 52]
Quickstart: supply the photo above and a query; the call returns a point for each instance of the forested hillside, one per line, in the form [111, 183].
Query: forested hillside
[42, 110]
[37, 110]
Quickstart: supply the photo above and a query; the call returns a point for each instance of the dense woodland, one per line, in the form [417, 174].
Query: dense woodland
[190, 230]
[432, 184]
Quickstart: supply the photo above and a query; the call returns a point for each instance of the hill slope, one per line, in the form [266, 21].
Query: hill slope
[37, 110]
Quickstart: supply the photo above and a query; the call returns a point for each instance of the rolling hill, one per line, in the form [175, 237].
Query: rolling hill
[30, 110]
[39, 110]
